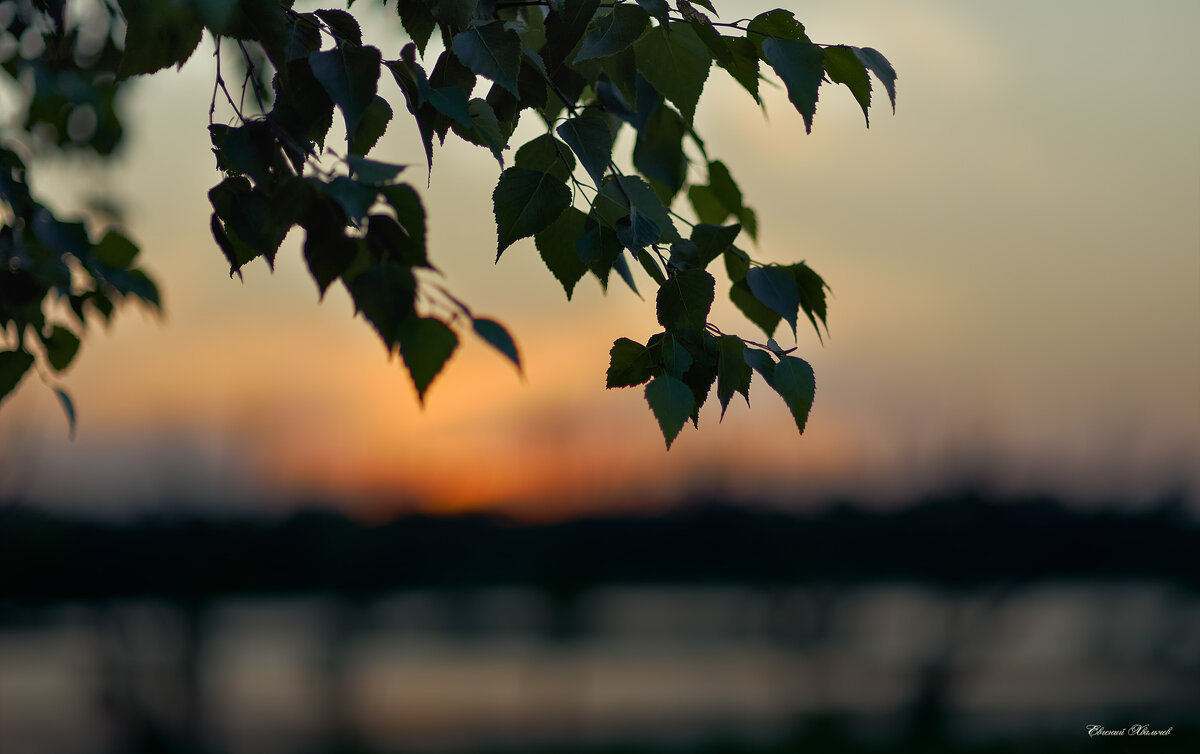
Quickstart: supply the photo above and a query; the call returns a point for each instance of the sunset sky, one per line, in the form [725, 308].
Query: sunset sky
[1014, 257]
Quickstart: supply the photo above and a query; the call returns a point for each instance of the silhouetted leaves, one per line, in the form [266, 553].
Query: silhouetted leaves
[426, 344]
[794, 381]
[671, 401]
[587, 69]
[525, 202]
[676, 63]
[349, 74]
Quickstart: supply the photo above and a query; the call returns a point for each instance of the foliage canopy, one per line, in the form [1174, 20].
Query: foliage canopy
[587, 69]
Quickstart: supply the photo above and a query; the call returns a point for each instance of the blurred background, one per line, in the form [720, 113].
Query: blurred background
[258, 541]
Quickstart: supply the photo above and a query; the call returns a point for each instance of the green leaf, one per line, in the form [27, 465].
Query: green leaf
[252, 225]
[733, 373]
[250, 150]
[302, 109]
[356, 197]
[158, 34]
[621, 265]
[599, 248]
[497, 337]
[590, 137]
[676, 63]
[303, 36]
[389, 242]
[794, 381]
[724, 187]
[683, 303]
[658, 149]
[706, 205]
[556, 244]
[485, 129]
[651, 267]
[611, 204]
[455, 14]
[812, 294]
[629, 364]
[737, 264]
[799, 64]
[384, 293]
[612, 33]
[546, 154]
[774, 24]
[451, 101]
[68, 408]
[743, 64]
[657, 8]
[525, 202]
[115, 250]
[756, 311]
[371, 126]
[675, 356]
[712, 241]
[671, 401]
[13, 366]
[417, 21]
[712, 39]
[843, 66]
[61, 346]
[637, 231]
[877, 64]
[372, 172]
[762, 363]
[410, 214]
[493, 51]
[349, 75]
[345, 28]
[776, 287]
[426, 344]
[327, 250]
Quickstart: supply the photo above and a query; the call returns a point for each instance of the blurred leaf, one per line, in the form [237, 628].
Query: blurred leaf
[115, 250]
[68, 407]
[13, 366]
[61, 346]
[159, 34]
[426, 344]
[496, 336]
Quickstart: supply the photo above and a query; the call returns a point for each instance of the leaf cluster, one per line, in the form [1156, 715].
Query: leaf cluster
[587, 71]
[53, 276]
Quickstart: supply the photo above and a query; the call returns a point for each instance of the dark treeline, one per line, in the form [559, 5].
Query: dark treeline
[964, 541]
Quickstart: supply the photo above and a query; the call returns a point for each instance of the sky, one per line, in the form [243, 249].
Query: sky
[1014, 258]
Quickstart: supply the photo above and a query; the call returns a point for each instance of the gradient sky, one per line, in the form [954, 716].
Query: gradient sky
[1015, 260]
